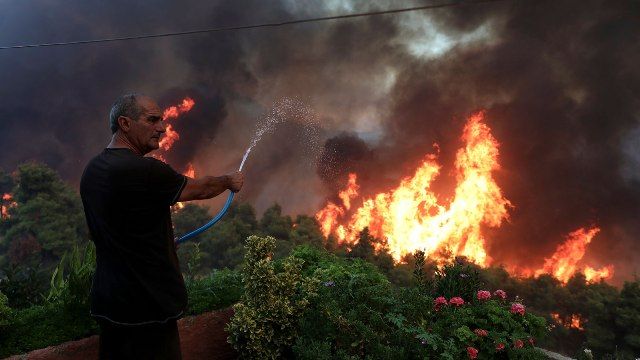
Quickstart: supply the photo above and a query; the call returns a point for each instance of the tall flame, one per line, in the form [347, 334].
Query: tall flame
[564, 262]
[411, 217]
[173, 112]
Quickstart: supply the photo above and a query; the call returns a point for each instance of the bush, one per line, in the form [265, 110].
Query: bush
[5, 312]
[64, 315]
[265, 319]
[218, 290]
[359, 314]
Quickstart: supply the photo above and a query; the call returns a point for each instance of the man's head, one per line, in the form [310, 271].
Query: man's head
[137, 119]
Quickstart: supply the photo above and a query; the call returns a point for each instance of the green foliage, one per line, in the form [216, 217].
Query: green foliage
[22, 285]
[189, 218]
[264, 323]
[73, 289]
[458, 279]
[359, 314]
[48, 219]
[223, 245]
[5, 312]
[64, 315]
[44, 325]
[218, 290]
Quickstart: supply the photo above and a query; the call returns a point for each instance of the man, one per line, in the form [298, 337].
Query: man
[138, 292]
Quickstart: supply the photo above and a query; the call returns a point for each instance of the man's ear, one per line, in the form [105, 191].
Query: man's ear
[124, 123]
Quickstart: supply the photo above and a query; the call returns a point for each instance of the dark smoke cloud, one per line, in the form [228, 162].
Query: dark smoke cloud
[559, 81]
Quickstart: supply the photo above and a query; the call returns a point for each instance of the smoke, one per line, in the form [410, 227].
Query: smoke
[559, 81]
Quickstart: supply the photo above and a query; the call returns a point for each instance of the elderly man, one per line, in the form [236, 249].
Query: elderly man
[138, 292]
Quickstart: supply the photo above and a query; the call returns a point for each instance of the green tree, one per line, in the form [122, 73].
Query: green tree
[628, 318]
[189, 218]
[48, 212]
[306, 231]
[224, 243]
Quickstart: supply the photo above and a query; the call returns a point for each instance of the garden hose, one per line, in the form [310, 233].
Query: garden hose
[219, 216]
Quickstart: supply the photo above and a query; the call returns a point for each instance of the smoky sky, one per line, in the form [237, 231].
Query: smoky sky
[559, 81]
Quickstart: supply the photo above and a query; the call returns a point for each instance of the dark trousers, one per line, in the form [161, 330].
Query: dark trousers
[151, 341]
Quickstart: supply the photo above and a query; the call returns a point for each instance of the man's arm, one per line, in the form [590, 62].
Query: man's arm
[211, 186]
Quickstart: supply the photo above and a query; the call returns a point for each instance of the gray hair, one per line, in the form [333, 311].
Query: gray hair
[126, 105]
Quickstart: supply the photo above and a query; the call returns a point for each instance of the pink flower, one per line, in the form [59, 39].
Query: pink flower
[532, 341]
[500, 293]
[484, 295]
[457, 301]
[481, 332]
[439, 302]
[517, 308]
[499, 346]
[472, 352]
[518, 344]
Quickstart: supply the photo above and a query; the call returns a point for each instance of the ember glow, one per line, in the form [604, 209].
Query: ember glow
[572, 322]
[7, 203]
[412, 217]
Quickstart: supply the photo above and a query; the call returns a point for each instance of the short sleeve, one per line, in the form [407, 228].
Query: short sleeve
[165, 183]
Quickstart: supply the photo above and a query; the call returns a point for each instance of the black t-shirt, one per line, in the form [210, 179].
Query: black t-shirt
[127, 201]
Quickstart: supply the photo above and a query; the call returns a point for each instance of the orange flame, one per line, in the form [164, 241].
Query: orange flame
[7, 203]
[594, 275]
[170, 136]
[350, 192]
[191, 173]
[410, 216]
[175, 111]
[563, 264]
[172, 112]
[572, 322]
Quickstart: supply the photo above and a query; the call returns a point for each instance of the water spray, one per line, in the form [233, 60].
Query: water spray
[278, 114]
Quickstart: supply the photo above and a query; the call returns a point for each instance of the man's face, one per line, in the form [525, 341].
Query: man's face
[146, 131]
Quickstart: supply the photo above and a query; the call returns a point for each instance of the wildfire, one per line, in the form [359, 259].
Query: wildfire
[7, 203]
[173, 112]
[564, 262]
[573, 322]
[411, 216]
[191, 173]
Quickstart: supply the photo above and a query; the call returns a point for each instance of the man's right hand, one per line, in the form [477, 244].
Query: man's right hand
[236, 180]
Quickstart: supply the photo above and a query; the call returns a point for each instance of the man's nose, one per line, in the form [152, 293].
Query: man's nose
[162, 127]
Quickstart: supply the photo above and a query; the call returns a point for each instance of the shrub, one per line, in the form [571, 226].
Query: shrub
[220, 289]
[359, 314]
[5, 312]
[265, 319]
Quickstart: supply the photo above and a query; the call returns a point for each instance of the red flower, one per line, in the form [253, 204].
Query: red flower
[500, 293]
[532, 341]
[439, 302]
[499, 346]
[457, 301]
[518, 344]
[483, 295]
[517, 308]
[472, 352]
[481, 332]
